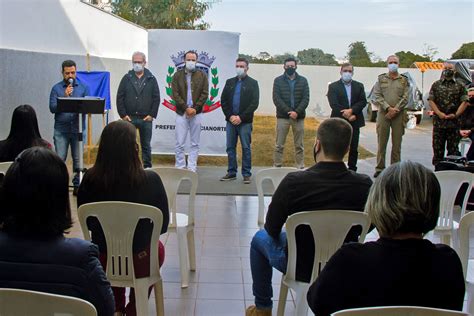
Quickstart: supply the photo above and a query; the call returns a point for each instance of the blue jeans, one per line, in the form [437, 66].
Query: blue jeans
[265, 253]
[61, 143]
[145, 128]
[244, 132]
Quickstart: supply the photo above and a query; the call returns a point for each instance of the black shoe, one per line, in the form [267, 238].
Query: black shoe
[247, 180]
[74, 191]
[376, 174]
[228, 177]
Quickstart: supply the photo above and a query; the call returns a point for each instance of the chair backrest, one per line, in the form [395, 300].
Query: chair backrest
[275, 175]
[464, 227]
[450, 182]
[398, 311]
[172, 178]
[16, 302]
[119, 221]
[330, 228]
[4, 166]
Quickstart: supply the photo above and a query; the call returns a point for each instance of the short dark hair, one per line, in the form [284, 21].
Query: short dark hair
[191, 52]
[35, 195]
[335, 135]
[290, 59]
[245, 60]
[344, 65]
[68, 63]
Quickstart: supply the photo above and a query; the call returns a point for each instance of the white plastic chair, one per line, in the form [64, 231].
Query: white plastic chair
[450, 182]
[4, 166]
[118, 221]
[16, 302]
[275, 175]
[182, 223]
[330, 228]
[398, 311]
[464, 244]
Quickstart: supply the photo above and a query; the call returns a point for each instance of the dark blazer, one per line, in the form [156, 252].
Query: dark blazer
[282, 92]
[249, 97]
[65, 266]
[143, 102]
[199, 90]
[338, 101]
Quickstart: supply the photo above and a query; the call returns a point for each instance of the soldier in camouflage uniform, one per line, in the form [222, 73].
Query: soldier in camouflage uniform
[447, 99]
[391, 97]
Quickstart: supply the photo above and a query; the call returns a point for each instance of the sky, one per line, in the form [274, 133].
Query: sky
[280, 26]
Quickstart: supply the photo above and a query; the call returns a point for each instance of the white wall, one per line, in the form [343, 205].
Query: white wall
[67, 27]
[319, 77]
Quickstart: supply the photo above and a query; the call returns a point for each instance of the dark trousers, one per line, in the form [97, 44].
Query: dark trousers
[445, 138]
[145, 128]
[141, 263]
[353, 153]
[470, 152]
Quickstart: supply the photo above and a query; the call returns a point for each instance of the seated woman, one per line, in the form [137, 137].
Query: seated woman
[24, 133]
[401, 268]
[34, 214]
[118, 175]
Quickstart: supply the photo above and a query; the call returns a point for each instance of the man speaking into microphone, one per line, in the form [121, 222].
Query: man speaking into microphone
[66, 125]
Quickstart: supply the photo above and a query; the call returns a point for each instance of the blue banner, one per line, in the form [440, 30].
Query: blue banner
[98, 83]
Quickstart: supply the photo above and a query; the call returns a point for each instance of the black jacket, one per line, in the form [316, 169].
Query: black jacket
[282, 94]
[139, 102]
[324, 186]
[249, 96]
[338, 100]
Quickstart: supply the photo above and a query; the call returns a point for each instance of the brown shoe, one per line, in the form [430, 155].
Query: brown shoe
[247, 180]
[254, 311]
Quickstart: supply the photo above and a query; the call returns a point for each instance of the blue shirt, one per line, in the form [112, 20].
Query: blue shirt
[236, 98]
[348, 87]
[292, 91]
[189, 101]
[66, 122]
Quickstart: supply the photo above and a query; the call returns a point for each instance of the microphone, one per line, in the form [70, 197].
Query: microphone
[71, 82]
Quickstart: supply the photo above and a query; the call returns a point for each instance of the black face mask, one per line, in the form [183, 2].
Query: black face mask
[290, 71]
[471, 100]
[448, 73]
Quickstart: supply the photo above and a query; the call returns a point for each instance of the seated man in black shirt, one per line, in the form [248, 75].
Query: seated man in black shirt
[326, 185]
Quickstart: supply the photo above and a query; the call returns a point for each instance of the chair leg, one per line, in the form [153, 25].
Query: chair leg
[446, 239]
[191, 250]
[141, 297]
[183, 257]
[282, 299]
[159, 298]
[301, 304]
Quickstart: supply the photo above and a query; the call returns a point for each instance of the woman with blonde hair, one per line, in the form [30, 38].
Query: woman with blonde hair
[401, 268]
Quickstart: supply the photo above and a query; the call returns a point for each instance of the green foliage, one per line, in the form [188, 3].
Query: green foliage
[316, 56]
[466, 51]
[279, 59]
[408, 58]
[164, 14]
[358, 55]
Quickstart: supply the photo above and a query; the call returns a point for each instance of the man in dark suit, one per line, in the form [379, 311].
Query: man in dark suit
[239, 101]
[347, 99]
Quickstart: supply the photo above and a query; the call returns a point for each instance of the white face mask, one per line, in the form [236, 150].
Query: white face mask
[137, 67]
[346, 76]
[190, 65]
[392, 67]
[240, 72]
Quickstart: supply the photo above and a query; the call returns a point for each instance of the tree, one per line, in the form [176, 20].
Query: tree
[250, 58]
[264, 55]
[429, 51]
[466, 51]
[316, 56]
[408, 58]
[164, 14]
[358, 55]
[279, 59]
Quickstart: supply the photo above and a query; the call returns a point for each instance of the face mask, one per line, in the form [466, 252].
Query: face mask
[315, 153]
[240, 72]
[448, 73]
[471, 100]
[137, 67]
[290, 71]
[190, 65]
[393, 67]
[346, 76]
